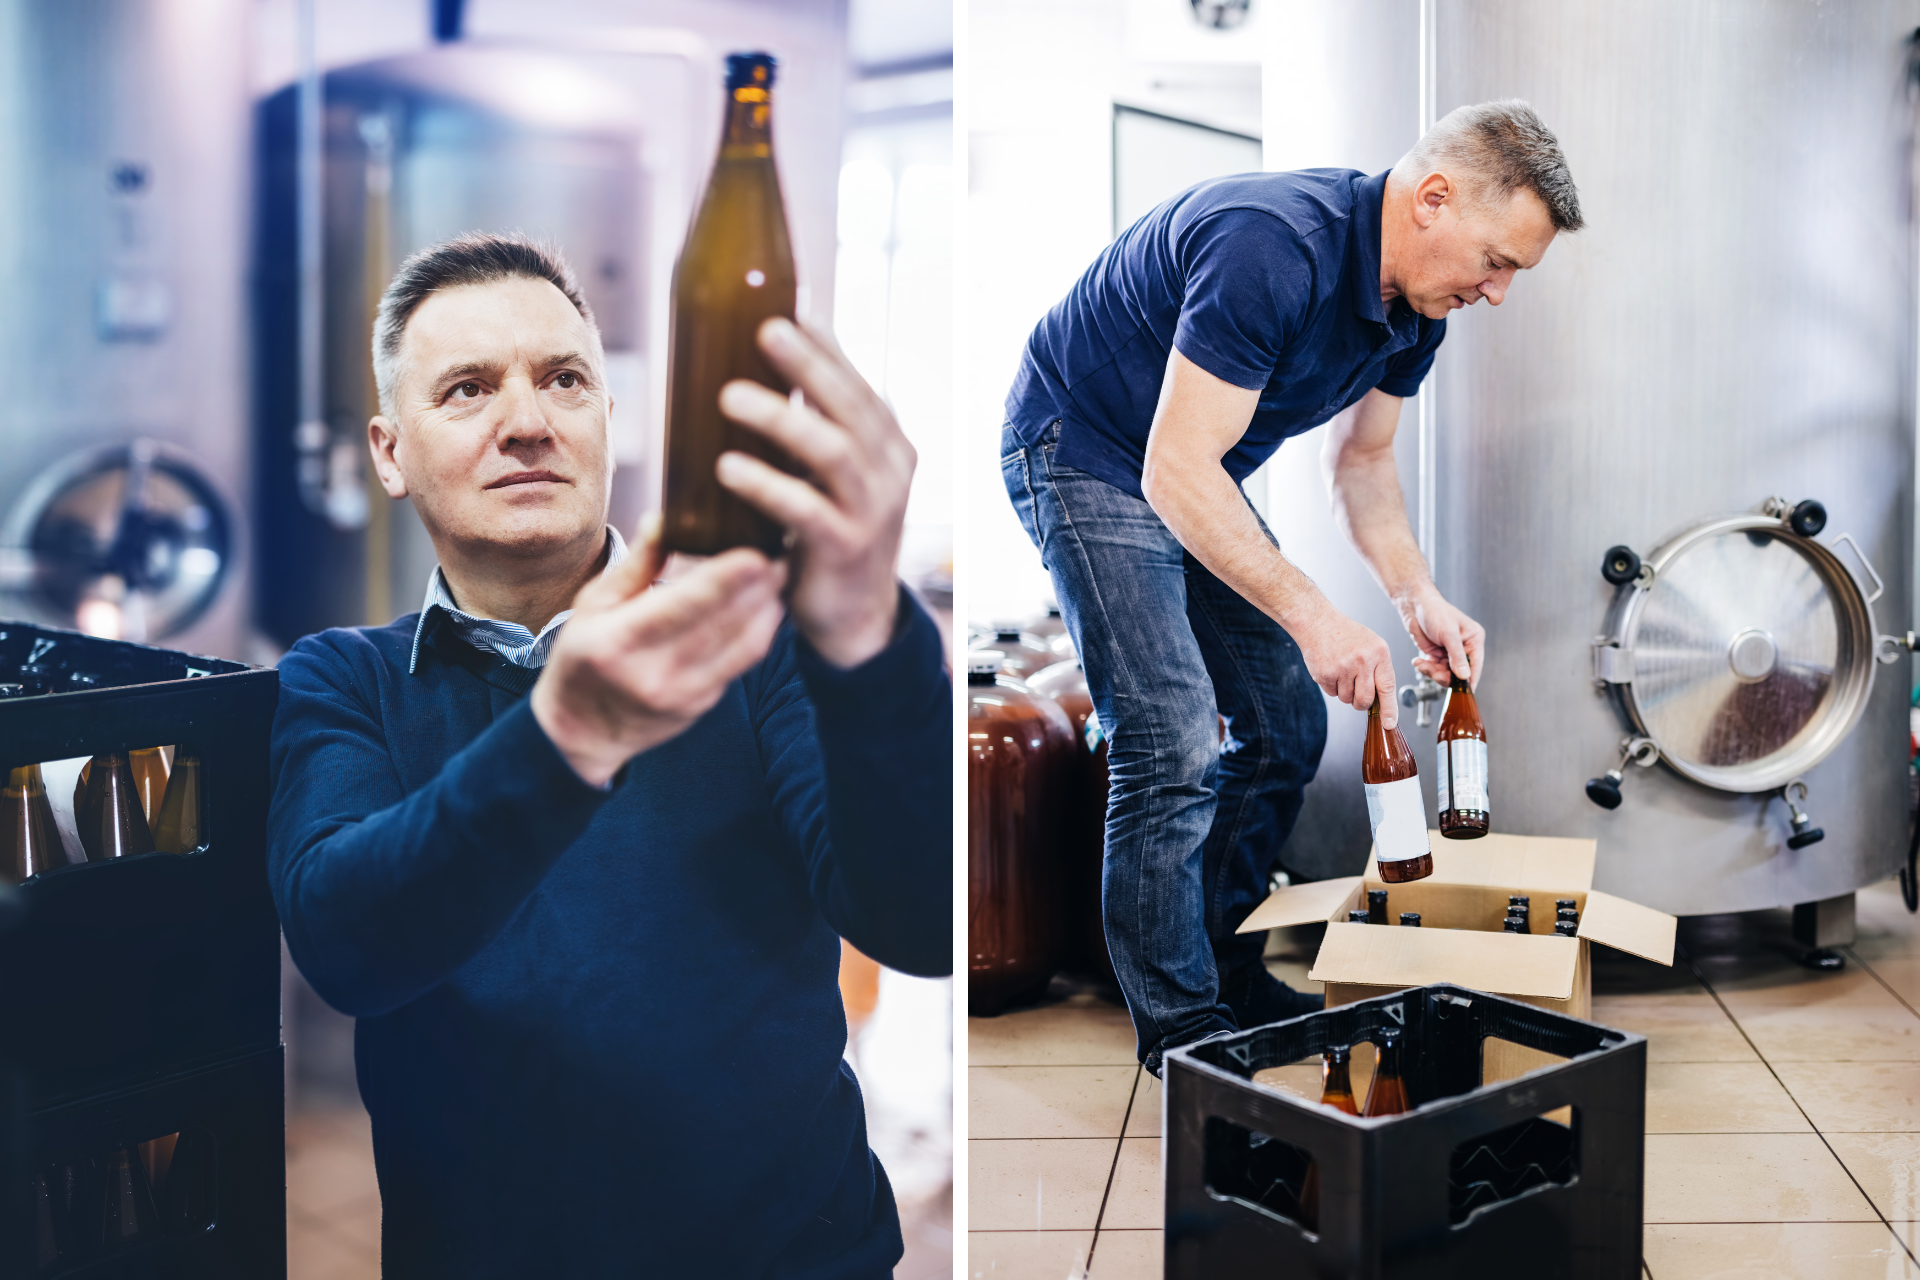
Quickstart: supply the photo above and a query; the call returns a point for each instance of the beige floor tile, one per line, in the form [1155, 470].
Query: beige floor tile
[1136, 1200]
[1144, 1120]
[1856, 1097]
[1302, 1079]
[1129, 1255]
[1027, 1255]
[1678, 1029]
[1748, 1177]
[1082, 1031]
[1719, 1097]
[1037, 1184]
[1048, 1102]
[1900, 973]
[1757, 981]
[1833, 1033]
[1782, 1250]
[1887, 1167]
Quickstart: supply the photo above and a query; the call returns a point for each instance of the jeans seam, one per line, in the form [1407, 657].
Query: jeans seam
[1139, 924]
[1265, 761]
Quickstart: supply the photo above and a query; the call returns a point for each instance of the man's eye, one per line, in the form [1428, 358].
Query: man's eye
[567, 381]
[469, 390]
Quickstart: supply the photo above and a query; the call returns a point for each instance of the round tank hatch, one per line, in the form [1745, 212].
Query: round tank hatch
[130, 542]
[1751, 652]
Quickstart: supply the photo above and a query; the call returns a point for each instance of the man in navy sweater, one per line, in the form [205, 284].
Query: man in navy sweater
[584, 886]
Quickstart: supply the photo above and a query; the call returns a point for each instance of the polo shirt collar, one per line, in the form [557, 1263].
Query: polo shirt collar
[1367, 196]
[508, 639]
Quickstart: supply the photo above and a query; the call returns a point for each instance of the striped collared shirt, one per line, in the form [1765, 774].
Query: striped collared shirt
[508, 639]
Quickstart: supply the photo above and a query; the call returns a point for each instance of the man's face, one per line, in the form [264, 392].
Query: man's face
[1465, 252]
[502, 438]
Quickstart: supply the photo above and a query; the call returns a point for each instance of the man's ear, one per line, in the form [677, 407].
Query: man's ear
[383, 437]
[1433, 192]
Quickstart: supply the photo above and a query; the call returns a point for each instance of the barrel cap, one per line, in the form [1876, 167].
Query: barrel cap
[750, 70]
[984, 662]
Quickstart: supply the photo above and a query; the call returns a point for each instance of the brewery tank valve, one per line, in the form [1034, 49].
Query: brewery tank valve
[1419, 698]
[1804, 832]
[1605, 790]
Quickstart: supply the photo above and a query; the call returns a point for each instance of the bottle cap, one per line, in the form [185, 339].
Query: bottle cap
[1387, 1035]
[1568, 913]
[1565, 904]
[750, 70]
[1567, 929]
[1519, 900]
[1376, 895]
[1008, 629]
[1411, 918]
[1356, 917]
[1516, 925]
[1339, 1053]
[984, 661]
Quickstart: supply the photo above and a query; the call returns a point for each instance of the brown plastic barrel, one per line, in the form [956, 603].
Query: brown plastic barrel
[1020, 764]
[1085, 840]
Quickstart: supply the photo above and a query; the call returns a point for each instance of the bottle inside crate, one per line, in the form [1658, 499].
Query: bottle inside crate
[29, 837]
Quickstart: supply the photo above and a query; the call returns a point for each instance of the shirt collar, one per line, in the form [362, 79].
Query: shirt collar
[1368, 193]
[510, 640]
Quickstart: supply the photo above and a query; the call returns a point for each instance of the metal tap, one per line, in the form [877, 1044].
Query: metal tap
[1804, 832]
[1419, 698]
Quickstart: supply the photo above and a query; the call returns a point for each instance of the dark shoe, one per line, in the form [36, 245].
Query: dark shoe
[1263, 998]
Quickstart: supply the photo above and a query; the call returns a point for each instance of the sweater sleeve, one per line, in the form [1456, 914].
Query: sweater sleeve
[383, 895]
[860, 767]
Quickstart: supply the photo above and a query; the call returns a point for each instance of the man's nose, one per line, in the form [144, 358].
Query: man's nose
[1494, 289]
[523, 418]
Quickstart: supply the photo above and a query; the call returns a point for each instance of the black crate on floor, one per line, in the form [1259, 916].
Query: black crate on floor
[1476, 1180]
[143, 994]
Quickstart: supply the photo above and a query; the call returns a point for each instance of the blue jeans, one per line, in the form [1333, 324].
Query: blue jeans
[1194, 824]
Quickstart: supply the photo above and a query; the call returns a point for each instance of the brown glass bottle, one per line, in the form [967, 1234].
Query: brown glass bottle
[1460, 766]
[1336, 1091]
[127, 1206]
[1085, 841]
[1387, 1093]
[177, 829]
[1019, 760]
[735, 271]
[29, 840]
[113, 825]
[1394, 806]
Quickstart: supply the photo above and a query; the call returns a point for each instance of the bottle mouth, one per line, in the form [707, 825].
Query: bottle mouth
[750, 71]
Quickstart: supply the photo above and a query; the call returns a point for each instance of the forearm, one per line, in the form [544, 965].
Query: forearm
[883, 877]
[379, 907]
[1203, 507]
[1369, 508]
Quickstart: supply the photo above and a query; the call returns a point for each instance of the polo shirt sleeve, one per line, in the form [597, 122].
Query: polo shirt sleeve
[1406, 370]
[1248, 286]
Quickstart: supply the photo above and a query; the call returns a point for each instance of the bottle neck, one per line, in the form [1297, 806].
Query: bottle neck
[749, 125]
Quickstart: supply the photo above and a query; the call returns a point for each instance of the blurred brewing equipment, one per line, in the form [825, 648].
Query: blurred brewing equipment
[1678, 360]
[123, 160]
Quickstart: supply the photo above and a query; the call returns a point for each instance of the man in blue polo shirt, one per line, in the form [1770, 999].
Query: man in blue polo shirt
[1239, 313]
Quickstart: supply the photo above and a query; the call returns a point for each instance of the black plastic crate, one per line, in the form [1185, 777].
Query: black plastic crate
[1476, 1180]
[143, 993]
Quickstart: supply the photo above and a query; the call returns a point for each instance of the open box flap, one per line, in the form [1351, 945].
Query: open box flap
[1628, 926]
[1513, 863]
[1509, 964]
[1301, 904]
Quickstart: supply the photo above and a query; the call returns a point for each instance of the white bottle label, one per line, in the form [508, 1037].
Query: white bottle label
[1463, 764]
[1399, 818]
[1440, 772]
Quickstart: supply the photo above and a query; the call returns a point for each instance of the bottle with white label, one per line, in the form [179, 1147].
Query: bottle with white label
[1394, 805]
[1461, 756]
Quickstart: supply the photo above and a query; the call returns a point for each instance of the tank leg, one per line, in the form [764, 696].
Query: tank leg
[1822, 926]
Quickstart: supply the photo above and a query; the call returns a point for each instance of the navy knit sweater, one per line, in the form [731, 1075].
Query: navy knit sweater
[600, 1033]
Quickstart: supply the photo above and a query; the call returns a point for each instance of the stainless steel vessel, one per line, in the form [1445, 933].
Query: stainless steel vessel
[1736, 321]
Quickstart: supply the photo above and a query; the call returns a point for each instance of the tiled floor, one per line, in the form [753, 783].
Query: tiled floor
[1783, 1112]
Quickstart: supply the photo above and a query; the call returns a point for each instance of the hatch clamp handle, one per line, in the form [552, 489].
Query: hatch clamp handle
[1419, 698]
[1804, 832]
[1605, 790]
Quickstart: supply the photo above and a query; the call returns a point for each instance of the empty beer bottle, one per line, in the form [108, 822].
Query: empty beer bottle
[1377, 906]
[1514, 924]
[149, 766]
[113, 825]
[1336, 1091]
[29, 840]
[1566, 928]
[1460, 778]
[177, 830]
[1410, 919]
[1387, 1094]
[127, 1207]
[1394, 806]
[1357, 916]
[735, 271]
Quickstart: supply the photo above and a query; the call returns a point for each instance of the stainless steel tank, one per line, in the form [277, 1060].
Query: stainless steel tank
[123, 226]
[1734, 325]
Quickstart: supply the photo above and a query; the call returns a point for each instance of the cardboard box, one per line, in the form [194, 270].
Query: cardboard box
[1461, 939]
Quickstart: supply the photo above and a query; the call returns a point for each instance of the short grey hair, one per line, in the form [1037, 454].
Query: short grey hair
[1504, 147]
[471, 258]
